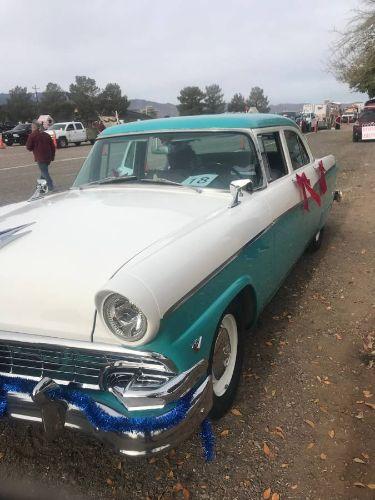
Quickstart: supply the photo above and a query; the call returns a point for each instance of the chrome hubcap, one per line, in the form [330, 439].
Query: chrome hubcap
[224, 355]
[221, 353]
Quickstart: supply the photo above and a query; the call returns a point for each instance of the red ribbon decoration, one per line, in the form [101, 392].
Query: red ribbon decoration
[304, 183]
[322, 178]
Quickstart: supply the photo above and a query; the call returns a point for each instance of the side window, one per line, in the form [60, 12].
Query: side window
[272, 155]
[70, 127]
[78, 126]
[297, 151]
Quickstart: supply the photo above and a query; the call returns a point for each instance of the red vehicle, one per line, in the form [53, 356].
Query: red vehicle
[364, 127]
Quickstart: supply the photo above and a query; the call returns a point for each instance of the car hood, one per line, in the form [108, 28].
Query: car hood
[70, 244]
[58, 131]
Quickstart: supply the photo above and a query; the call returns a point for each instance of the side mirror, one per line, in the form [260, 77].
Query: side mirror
[236, 189]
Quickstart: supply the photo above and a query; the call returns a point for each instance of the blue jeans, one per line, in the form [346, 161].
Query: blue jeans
[44, 174]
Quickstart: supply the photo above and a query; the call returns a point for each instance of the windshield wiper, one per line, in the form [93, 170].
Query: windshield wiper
[126, 178]
[160, 180]
[111, 180]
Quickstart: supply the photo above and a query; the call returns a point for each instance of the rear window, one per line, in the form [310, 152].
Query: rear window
[21, 126]
[297, 151]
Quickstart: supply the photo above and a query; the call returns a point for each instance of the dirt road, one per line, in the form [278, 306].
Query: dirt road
[305, 419]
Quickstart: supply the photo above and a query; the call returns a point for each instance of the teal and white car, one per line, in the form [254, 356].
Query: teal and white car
[136, 289]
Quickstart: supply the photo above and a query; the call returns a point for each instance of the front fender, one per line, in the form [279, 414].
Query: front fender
[198, 317]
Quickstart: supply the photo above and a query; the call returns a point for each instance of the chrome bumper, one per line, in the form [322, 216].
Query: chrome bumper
[34, 408]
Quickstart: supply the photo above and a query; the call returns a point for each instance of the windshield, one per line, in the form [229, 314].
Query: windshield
[57, 126]
[367, 116]
[21, 126]
[198, 159]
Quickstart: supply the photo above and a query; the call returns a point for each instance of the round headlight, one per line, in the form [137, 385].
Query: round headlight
[123, 318]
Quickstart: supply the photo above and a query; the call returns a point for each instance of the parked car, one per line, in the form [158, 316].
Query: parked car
[348, 118]
[290, 114]
[364, 128]
[69, 133]
[5, 126]
[175, 235]
[370, 104]
[17, 135]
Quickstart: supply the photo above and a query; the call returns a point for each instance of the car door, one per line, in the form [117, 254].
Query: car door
[301, 162]
[80, 132]
[70, 132]
[288, 217]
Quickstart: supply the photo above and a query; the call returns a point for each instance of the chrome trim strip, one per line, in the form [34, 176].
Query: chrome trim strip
[230, 259]
[214, 273]
[184, 130]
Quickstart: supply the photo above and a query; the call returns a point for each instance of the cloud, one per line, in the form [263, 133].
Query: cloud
[153, 49]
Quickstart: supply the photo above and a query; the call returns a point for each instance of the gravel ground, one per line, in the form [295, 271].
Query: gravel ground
[303, 422]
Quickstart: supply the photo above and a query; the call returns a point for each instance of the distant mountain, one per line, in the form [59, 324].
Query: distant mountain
[162, 109]
[168, 109]
[279, 108]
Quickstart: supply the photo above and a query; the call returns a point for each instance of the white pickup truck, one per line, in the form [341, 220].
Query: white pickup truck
[69, 132]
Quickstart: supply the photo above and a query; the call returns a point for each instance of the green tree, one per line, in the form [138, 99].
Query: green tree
[111, 99]
[258, 100]
[191, 101]
[214, 102]
[353, 54]
[20, 105]
[3, 113]
[56, 103]
[237, 104]
[84, 93]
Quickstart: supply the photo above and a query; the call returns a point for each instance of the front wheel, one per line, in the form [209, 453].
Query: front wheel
[316, 242]
[62, 142]
[226, 362]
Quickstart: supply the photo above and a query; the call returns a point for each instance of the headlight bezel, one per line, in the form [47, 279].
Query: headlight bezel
[115, 324]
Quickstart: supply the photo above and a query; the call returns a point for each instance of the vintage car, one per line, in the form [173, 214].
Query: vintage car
[126, 300]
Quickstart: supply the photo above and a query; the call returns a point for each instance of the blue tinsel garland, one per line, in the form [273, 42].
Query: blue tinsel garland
[102, 420]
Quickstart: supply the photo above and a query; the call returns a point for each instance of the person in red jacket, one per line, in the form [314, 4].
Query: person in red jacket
[41, 144]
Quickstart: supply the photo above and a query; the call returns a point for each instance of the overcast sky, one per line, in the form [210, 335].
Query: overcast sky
[154, 48]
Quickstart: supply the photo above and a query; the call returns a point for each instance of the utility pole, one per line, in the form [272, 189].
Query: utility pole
[35, 88]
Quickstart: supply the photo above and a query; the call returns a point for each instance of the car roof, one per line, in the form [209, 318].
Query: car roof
[201, 122]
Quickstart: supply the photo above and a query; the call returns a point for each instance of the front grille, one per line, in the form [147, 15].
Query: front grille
[80, 366]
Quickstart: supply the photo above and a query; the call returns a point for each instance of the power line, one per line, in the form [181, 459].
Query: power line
[35, 88]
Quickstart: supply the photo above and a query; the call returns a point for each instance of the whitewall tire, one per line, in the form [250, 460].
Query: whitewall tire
[226, 362]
